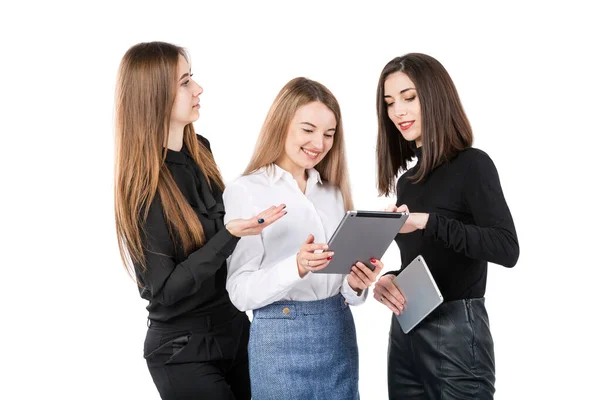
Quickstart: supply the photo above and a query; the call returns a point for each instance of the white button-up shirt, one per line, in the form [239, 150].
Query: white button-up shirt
[263, 269]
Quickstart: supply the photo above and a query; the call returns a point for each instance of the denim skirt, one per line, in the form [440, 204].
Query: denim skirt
[304, 350]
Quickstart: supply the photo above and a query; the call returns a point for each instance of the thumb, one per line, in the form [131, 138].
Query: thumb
[310, 239]
[390, 208]
[403, 208]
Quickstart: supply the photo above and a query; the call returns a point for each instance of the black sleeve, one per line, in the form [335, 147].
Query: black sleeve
[166, 281]
[492, 237]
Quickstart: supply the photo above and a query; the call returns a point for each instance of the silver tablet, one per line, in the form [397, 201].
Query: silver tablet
[420, 291]
[360, 236]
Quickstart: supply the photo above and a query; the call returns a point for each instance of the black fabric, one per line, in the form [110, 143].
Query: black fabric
[179, 286]
[469, 223]
[449, 355]
[196, 345]
[201, 359]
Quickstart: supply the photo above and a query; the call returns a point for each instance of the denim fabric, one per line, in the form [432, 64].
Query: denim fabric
[449, 355]
[304, 350]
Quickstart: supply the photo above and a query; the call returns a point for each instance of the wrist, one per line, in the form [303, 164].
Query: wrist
[301, 271]
[358, 291]
[424, 221]
[231, 232]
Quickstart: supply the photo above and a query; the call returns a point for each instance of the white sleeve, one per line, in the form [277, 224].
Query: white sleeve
[350, 295]
[250, 284]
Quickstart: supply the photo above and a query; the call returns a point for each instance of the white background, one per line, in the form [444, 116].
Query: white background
[73, 325]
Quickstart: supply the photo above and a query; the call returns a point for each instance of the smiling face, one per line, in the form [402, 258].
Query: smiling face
[403, 106]
[309, 138]
[186, 108]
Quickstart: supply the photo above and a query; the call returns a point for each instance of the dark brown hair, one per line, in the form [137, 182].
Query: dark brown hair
[445, 129]
[145, 93]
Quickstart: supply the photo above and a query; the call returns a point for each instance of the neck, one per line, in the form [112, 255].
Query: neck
[175, 141]
[297, 172]
[419, 143]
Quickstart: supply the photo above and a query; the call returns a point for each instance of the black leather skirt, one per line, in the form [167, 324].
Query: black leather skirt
[449, 355]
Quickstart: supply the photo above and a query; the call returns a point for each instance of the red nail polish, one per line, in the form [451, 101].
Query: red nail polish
[373, 261]
[328, 258]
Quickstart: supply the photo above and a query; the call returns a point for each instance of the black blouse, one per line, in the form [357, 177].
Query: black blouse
[177, 286]
[469, 223]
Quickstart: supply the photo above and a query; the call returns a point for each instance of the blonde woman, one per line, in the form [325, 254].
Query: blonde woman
[169, 220]
[302, 340]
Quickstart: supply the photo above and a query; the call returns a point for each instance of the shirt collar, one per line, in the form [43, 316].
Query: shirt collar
[178, 157]
[275, 173]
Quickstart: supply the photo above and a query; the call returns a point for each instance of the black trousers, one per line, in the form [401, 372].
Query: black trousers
[202, 358]
[449, 355]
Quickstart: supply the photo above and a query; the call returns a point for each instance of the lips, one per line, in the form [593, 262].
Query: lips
[406, 125]
[196, 105]
[311, 154]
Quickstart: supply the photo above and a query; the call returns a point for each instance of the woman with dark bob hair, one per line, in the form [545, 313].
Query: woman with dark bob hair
[459, 221]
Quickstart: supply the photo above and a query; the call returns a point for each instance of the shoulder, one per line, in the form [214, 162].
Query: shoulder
[473, 156]
[260, 177]
[246, 184]
[477, 162]
[331, 189]
[203, 141]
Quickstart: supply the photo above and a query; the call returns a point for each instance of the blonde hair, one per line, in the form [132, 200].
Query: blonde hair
[145, 93]
[271, 142]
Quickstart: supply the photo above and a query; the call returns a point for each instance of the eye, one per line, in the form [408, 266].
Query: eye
[307, 130]
[411, 98]
[186, 83]
[328, 135]
[390, 104]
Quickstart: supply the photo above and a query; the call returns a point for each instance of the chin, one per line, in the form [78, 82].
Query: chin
[410, 137]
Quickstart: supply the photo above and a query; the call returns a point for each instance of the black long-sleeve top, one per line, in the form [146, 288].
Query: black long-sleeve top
[469, 223]
[177, 286]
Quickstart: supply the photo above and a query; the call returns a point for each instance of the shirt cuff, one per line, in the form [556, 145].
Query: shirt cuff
[432, 225]
[350, 295]
[224, 242]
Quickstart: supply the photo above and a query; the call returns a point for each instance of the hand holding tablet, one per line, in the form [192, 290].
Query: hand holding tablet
[360, 237]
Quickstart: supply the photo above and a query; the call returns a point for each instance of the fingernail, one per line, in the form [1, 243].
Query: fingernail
[260, 220]
[285, 213]
[325, 247]
[373, 261]
[328, 258]
[284, 206]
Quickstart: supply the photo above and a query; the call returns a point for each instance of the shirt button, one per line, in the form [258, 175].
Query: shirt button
[345, 302]
[286, 311]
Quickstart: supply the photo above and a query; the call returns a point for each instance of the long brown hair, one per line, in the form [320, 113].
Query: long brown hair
[271, 142]
[445, 129]
[145, 93]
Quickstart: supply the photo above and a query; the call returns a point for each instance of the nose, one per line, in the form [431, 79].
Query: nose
[399, 109]
[318, 142]
[197, 89]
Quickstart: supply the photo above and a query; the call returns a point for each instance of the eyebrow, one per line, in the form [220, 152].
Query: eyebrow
[184, 76]
[314, 126]
[402, 91]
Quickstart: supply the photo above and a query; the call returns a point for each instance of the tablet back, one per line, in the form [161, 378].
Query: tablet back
[360, 236]
[420, 291]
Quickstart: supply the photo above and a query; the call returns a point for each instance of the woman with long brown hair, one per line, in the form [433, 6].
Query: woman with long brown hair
[459, 221]
[169, 220]
[302, 340]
